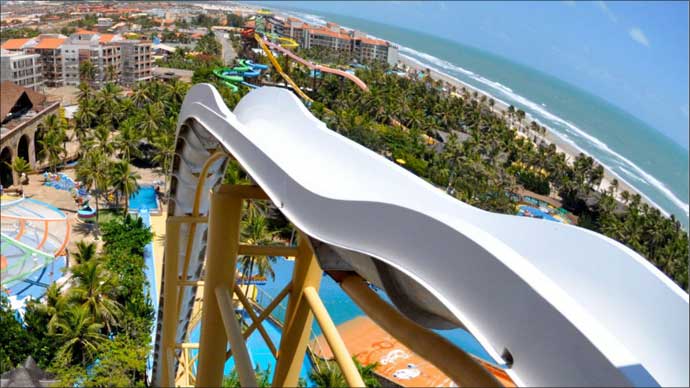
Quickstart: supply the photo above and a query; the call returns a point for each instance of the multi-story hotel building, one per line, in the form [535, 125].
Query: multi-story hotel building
[58, 58]
[97, 48]
[52, 62]
[334, 37]
[21, 68]
[136, 61]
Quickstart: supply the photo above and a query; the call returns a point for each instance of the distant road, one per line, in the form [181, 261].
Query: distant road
[228, 52]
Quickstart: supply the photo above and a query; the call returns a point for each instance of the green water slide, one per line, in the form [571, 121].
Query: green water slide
[229, 80]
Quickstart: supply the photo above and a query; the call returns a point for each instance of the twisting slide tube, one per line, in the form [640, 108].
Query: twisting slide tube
[558, 305]
[314, 66]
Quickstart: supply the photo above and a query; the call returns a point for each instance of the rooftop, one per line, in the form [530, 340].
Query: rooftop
[15, 44]
[320, 31]
[50, 43]
[19, 105]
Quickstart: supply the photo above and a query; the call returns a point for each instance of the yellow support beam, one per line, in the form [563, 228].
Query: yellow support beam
[243, 364]
[195, 213]
[187, 219]
[279, 69]
[298, 318]
[170, 273]
[250, 311]
[342, 356]
[221, 258]
[267, 311]
[451, 360]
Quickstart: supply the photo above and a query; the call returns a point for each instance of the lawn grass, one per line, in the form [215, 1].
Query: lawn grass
[105, 215]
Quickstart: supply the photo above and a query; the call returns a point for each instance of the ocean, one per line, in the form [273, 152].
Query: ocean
[630, 148]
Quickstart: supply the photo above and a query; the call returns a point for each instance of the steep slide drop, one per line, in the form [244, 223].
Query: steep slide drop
[557, 304]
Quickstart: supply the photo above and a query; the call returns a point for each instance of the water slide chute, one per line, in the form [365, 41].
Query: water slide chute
[556, 304]
[311, 65]
[231, 77]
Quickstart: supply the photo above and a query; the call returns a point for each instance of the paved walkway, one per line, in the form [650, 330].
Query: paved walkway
[228, 52]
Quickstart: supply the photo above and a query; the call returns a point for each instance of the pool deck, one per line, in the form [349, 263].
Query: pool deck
[370, 343]
[158, 229]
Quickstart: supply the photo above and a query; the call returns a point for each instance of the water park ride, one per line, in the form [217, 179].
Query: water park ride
[553, 304]
[266, 43]
[86, 213]
[33, 235]
[236, 75]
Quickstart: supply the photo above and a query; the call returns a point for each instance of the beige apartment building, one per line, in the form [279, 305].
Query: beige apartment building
[21, 68]
[59, 57]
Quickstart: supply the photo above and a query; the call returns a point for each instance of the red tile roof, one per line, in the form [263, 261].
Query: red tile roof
[105, 38]
[82, 31]
[15, 44]
[318, 31]
[377, 42]
[49, 43]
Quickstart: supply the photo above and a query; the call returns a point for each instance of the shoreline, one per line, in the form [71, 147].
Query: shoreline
[551, 137]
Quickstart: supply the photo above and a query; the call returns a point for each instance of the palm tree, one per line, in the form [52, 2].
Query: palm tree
[79, 335]
[165, 151]
[85, 92]
[52, 144]
[93, 286]
[54, 303]
[21, 167]
[255, 232]
[87, 71]
[111, 73]
[128, 139]
[150, 119]
[85, 252]
[101, 138]
[124, 179]
[93, 170]
[141, 95]
[327, 374]
[83, 118]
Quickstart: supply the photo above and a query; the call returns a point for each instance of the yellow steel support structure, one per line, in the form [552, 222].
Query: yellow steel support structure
[342, 356]
[298, 318]
[172, 252]
[451, 360]
[221, 258]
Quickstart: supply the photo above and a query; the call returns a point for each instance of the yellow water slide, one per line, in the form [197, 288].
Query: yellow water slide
[279, 69]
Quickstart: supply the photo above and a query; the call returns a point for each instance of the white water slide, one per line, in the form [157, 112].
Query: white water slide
[570, 307]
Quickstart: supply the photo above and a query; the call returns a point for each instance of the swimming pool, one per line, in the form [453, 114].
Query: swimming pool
[536, 213]
[342, 309]
[144, 198]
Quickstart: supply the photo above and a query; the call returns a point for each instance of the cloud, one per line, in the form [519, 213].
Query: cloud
[638, 36]
[607, 11]
[685, 111]
[569, 2]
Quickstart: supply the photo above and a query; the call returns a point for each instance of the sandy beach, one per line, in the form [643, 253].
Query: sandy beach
[550, 137]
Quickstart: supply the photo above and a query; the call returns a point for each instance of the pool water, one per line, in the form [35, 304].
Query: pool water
[342, 309]
[143, 199]
[536, 213]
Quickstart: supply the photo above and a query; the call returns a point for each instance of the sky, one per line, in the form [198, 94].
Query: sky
[632, 54]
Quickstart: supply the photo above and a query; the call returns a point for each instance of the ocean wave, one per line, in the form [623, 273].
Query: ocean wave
[632, 174]
[535, 110]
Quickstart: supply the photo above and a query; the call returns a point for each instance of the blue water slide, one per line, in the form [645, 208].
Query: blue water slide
[247, 84]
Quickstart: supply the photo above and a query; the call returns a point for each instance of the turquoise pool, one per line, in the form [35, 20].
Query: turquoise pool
[143, 199]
